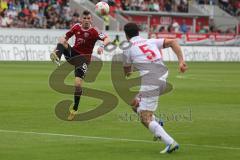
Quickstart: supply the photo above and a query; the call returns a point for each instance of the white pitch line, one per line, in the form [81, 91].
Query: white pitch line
[113, 139]
[76, 136]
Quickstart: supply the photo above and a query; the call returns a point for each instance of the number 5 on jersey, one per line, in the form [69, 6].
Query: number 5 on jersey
[150, 53]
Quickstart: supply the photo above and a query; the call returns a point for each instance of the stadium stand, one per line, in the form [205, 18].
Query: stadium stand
[148, 5]
[56, 14]
[51, 14]
[170, 23]
[230, 6]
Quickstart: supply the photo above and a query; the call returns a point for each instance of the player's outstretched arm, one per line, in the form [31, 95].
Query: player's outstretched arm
[177, 50]
[106, 41]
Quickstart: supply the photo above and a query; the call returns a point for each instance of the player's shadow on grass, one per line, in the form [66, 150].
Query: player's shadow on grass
[56, 82]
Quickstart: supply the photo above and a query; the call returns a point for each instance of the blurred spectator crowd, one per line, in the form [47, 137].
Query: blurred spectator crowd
[182, 27]
[230, 6]
[54, 14]
[155, 5]
[149, 5]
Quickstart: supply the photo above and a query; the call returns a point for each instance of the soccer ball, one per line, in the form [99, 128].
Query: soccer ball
[102, 8]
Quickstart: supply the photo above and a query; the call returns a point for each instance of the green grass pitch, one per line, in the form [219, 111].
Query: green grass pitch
[202, 113]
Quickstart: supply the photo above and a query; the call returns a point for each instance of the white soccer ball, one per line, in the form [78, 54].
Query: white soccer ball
[102, 8]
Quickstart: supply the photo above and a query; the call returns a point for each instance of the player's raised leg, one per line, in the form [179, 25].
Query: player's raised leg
[158, 131]
[135, 105]
[60, 49]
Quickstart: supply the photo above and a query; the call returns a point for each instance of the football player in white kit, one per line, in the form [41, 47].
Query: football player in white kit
[145, 56]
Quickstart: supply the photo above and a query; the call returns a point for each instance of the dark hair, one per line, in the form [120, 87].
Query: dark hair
[86, 13]
[131, 30]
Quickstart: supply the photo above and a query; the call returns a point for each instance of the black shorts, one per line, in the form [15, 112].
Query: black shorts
[80, 62]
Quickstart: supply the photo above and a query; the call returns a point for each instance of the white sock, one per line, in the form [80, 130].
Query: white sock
[158, 131]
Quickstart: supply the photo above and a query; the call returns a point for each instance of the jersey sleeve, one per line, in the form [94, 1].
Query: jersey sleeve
[100, 35]
[71, 32]
[127, 61]
[158, 42]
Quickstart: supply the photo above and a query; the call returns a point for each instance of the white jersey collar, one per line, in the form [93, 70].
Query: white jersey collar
[135, 38]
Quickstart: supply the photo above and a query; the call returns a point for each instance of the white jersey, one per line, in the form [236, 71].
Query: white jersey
[143, 51]
[145, 55]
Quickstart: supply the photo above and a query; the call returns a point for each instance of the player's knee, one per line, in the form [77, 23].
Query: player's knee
[78, 85]
[145, 121]
[63, 42]
[78, 82]
[145, 117]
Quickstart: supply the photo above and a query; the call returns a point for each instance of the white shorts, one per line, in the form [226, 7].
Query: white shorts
[149, 103]
[149, 94]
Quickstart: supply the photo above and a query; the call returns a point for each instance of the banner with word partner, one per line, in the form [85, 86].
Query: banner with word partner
[34, 52]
